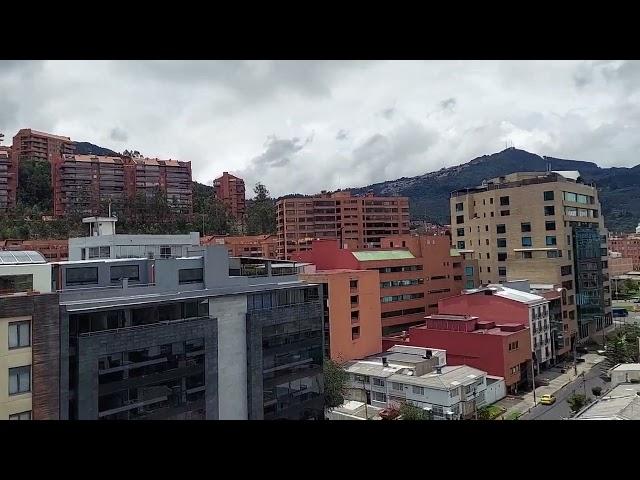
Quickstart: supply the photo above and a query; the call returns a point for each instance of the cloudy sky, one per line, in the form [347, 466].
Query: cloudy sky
[305, 126]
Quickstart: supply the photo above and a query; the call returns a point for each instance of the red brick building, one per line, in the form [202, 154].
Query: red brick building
[230, 190]
[357, 221]
[260, 246]
[414, 275]
[8, 180]
[31, 144]
[498, 348]
[627, 245]
[84, 183]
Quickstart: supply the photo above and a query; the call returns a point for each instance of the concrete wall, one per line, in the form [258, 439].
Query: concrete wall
[41, 274]
[125, 245]
[496, 390]
[624, 376]
[232, 356]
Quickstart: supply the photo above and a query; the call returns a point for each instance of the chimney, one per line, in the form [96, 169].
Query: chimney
[384, 362]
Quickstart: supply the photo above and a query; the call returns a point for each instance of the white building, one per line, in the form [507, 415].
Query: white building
[418, 378]
[625, 373]
[103, 242]
[24, 271]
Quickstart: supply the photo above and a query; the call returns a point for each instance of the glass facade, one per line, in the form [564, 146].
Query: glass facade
[292, 355]
[588, 278]
[162, 381]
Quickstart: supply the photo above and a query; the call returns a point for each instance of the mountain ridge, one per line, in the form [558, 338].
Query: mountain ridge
[618, 187]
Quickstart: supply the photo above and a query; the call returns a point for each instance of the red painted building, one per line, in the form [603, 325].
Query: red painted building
[501, 349]
[52, 250]
[628, 245]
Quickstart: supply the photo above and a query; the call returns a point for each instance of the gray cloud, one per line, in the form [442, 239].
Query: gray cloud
[388, 113]
[448, 104]
[370, 118]
[118, 135]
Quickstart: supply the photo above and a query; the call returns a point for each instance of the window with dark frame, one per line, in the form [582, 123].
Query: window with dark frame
[525, 227]
[81, 276]
[190, 275]
[19, 334]
[19, 380]
[131, 272]
[21, 416]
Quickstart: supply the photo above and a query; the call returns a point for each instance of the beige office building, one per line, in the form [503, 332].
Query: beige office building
[530, 226]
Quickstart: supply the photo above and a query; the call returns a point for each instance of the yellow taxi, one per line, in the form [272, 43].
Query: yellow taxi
[547, 399]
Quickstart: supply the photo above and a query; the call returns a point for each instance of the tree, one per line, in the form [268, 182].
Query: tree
[577, 402]
[411, 412]
[335, 384]
[261, 213]
[623, 348]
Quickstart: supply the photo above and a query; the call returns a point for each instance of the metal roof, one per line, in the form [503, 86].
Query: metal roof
[382, 255]
[621, 403]
[20, 257]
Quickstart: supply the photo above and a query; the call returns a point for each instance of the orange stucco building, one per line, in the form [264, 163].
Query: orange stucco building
[352, 312]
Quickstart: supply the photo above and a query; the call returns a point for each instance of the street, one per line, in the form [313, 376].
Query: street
[560, 409]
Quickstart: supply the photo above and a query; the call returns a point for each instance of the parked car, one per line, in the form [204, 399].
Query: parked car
[547, 399]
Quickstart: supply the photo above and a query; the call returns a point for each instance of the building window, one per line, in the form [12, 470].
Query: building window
[568, 284]
[460, 233]
[550, 225]
[565, 270]
[554, 253]
[19, 380]
[501, 228]
[526, 242]
[190, 275]
[19, 334]
[454, 392]
[513, 345]
[379, 397]
[502, 271]
[490, 201]
[504, 201]
[525, 227]
[16, 283]
[132, 272]
[355, 332]
[361, 378]
[570, 197]
[459, 207]
[461, 244]
[397, 386]
[418, 390]
[378, 382]
[502, 257]
[488, 269]
[550, 240]
[549, 210]
[353, 284]
[548, 196]
[82, 276]
[504, 213]
[165, 251]
[502, 242]
[460, 219]
[468, 271]
[21, 416]
[527, 255]
[469, 284]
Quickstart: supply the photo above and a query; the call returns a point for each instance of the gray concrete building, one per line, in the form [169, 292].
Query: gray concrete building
[182, 338]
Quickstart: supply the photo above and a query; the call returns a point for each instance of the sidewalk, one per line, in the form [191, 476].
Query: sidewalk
[521, 405]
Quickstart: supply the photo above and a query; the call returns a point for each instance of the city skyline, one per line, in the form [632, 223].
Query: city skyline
[364, 122]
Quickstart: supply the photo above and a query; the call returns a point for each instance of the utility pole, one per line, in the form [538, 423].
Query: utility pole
[533, 377]
[575, 361]
[584, 384]
[366, 415]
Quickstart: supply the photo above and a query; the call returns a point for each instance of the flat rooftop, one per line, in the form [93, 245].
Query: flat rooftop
[370, 256]
[621, 403]
[627, 367]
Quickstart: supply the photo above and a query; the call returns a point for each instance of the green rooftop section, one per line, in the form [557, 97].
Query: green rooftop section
[382, 255]
[454, 252]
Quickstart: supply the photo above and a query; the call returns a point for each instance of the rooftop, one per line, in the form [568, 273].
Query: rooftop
[370, 256]
[44, 134]
[450, 377]
[621, 403]
[508, 293]
[21, 257]
[627, 367]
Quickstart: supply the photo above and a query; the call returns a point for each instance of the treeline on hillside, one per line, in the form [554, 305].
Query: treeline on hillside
[152, 215]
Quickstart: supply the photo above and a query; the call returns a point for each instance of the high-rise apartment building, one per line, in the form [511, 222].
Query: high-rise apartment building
[84, 184]
[8, 179]
[30, 144]
[358, 222]
[230, 190]
[545, 227]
